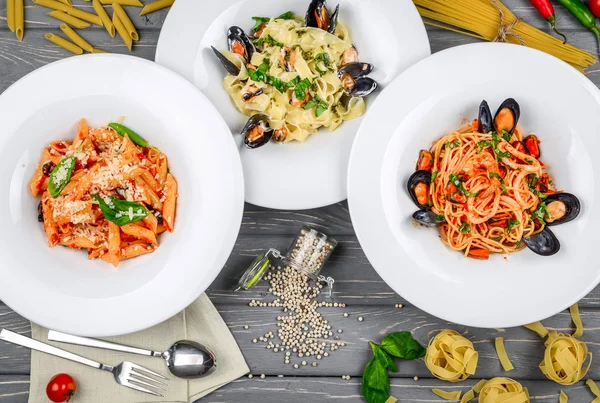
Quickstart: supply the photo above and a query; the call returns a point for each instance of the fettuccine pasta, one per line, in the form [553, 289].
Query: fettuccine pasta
[564, 359]
[498, 390]
[451, 357]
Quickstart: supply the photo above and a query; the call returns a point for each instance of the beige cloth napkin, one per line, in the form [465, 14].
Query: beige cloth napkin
[199, 322]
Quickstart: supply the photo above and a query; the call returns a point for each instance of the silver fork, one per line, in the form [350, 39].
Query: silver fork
[126, 373]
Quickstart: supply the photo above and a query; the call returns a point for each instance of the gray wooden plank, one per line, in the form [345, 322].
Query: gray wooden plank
[15, 389]
[524, 347]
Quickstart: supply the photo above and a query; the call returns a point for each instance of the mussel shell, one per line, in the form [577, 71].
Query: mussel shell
[427, 218]
[544, 244]
[362, 87]
[356, 69]
[485, 123]
[237, 34]
[334, 20]
[418, 176]
[572, 204]
[310, 20]
[514, 107]
[229, 66]
[258, 119]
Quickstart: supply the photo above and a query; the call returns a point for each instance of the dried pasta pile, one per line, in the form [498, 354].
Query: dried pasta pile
[63, 10]
[481, 19]
[451, 357]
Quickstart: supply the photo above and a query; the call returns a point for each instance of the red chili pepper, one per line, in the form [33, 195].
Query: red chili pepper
[546, 10]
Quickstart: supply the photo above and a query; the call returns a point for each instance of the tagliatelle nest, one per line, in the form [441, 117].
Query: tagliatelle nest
[498, 390]
[451, 357]
[564, 359]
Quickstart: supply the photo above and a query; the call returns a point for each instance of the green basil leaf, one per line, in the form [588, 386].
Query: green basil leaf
[310, 104]
[133, 136]
[375, 382]
[402, 345]
[258, 21]
[269, 40]
[61, 175]
[320, 109]
[286, 16]
[301, 87]
[434, 175]
[497, 238]
[121, 212]
[465, 228]
[383, 357]
[511, 224]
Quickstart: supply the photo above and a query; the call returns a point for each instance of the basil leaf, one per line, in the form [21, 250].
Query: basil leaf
[61, 175]
[465, 228]
[286, 16]
[497, 175]
[310, 104]
[121, 212]
[133, 136]
[375, 382]
[321, 108]
[461, 188]
[434, 175]
[402, 345]
[258, 22]
[301, 87]
[269, 40]
[540, 213]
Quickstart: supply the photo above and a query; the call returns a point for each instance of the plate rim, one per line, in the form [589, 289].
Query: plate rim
[353, 200]
[229, 238]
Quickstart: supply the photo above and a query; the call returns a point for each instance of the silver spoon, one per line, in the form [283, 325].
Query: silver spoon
[185, 359]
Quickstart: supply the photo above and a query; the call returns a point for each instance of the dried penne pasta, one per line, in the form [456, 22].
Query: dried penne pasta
[134, 3]
[124, 18]
[63, 43]
[84, 15]
[10, 14]
[122, 31]
[53, 4]
[106, 21]
[66, 2]
[69, 19]
[76, 38]
[170, 195]
[19, 19]
[155, 6]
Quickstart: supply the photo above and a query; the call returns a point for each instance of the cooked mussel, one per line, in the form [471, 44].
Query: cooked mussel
[350, 55]
[358, 87]
[355, 69]
[484, 120]
[250, 92]
[418, 189]
[544, 244]
[561, 208]
[427, 218]
[257, 131]
[228, 64]
[318, 16]
[507, 116]
[239, 43]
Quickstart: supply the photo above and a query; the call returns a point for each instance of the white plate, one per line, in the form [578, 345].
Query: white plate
[296, 175]
[59, 288]
[557, 103]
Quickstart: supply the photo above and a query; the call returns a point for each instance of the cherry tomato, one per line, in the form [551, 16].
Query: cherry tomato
[594, 6]
[61, 388]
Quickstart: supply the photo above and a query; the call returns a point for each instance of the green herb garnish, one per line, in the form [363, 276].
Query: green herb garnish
[269, 40]
[512, 224]
[301, 87]
[465, 228]
[121, 212]
[540, 213]
[61, 175]
[506, 135]
[483, 144]
[497, 175]
[461, 188]
[133, 136]
[434, 175]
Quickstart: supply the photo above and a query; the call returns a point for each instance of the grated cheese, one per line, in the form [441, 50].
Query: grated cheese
[61, 174]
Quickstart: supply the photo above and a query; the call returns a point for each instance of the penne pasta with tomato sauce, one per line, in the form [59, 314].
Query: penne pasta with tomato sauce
[108, 191]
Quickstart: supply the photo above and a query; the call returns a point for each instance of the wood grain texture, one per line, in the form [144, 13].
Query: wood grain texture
[357, 283]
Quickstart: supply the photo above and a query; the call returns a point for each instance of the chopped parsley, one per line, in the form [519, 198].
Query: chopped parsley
[452, 144]
[301, 87]
[269, 40]
[497, 175]
[483, 144]
[323, 60]
[440, 217]
[496, 238]
[434, 175]
[512, 224]
[258, 21]
[457, 182]
[506, 135]
[540, 213]
[465, 228]
[499, 154]
[321, 106]
[260, 75]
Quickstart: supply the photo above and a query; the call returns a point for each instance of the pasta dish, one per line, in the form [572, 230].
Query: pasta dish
[486, 189]
[295, 75]
[108, 191]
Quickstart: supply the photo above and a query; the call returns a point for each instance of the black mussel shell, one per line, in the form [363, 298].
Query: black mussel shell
[514, 107]
[418, 176]
[427, 218]
[254, 121]
[237, 34]
[573, 207]
[310, 20]
[362, 87]
[356, 69]
[485, 123]
[229, 66]
[334, 20]
[544, 244]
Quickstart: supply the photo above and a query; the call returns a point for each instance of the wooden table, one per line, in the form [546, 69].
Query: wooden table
[357, 283]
